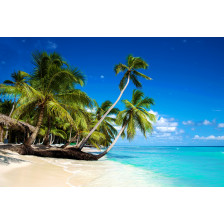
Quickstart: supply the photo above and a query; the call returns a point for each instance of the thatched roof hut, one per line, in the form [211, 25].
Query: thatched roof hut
[15, 124]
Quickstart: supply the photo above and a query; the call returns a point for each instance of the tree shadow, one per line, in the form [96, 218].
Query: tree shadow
[5, 158]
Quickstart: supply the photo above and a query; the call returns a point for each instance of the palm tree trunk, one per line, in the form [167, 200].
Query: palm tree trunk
[52, 139]
[13, 107]
[70, 134]
[47, 138]
[32, 138]
[83, 142]
[7, 128]
[52, 153]
[77, 139]
[1, 133]
[111, 146]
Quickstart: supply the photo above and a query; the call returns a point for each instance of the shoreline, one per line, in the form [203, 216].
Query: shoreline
[32, 171]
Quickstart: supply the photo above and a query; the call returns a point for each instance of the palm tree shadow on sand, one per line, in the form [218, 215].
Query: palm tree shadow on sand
[6, 160]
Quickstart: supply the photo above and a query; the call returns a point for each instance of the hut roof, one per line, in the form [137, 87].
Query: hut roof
[15, 124]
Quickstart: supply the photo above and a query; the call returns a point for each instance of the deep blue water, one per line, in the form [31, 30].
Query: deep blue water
[176, 166]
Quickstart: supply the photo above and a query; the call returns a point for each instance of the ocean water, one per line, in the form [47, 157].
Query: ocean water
[173, 166]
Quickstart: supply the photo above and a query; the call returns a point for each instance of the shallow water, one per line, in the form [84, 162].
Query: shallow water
[105, 173]
[176, 166]
[149, 166]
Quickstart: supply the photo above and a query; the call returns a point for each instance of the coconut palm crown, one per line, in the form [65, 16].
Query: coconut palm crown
[51, 92]
[135, 117]
[130, 73]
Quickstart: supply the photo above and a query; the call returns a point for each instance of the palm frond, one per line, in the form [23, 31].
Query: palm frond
[130, 60]
[135, 81]
[75, 96]
[8, 82]
[55, 109]
[123, 81]
[131, 128]
[128, 105]
[139, 63]
[59, 133]
[25, 107]
[29, 92]
[120, 68]
[141, 75]
[7, 90]
[136, 97]
[146, 102]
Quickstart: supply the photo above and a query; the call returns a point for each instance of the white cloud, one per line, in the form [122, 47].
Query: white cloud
[156, 136]
[163, 135]
[24, 41]
[192, 123]
[206, 122]
[181, 131]
[164, 122]
[51, 45]
[188, 122]
[166, 129]
[102, 76]
[3, 62]
[154, 112]
[221, 125]
[211, 137]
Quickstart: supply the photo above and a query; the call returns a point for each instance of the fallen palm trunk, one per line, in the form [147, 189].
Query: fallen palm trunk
[70, 153]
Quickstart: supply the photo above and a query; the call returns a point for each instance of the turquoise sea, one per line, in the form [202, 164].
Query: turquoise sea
[174, 166]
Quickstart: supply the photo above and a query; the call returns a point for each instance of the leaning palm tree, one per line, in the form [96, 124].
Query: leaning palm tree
[134, 117]
[130, 73]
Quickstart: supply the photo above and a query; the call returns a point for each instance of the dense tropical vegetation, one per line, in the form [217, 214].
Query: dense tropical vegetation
[53, 109]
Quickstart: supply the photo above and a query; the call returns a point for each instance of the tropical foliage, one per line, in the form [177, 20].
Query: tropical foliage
[135, 117]
[51, 99]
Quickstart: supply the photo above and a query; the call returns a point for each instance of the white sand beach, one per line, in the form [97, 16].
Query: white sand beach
[30, 171]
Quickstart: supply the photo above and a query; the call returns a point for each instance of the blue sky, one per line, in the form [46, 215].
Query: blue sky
[187, 85]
